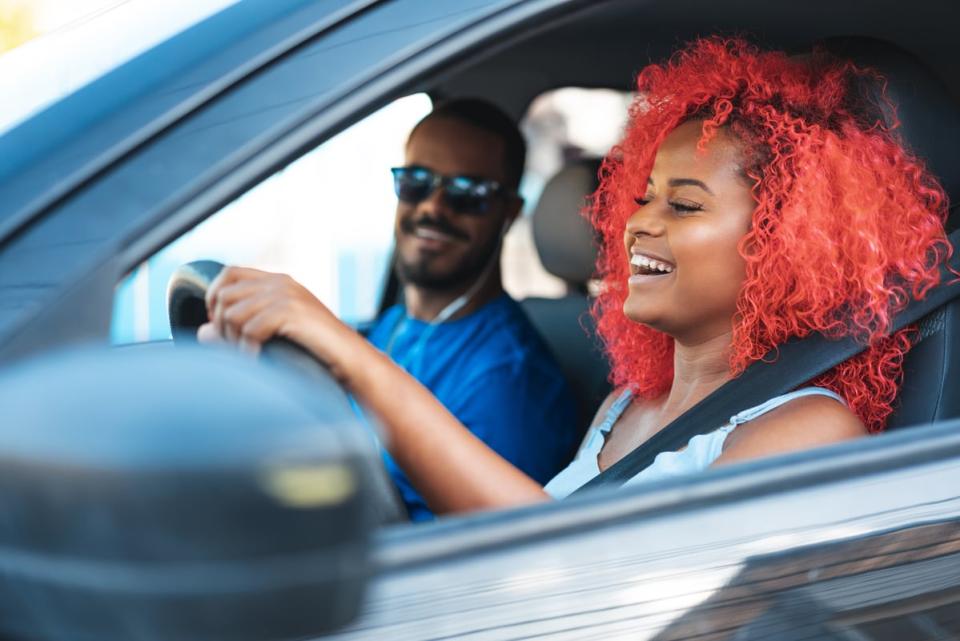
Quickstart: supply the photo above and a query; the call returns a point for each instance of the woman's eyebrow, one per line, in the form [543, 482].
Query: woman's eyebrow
[680, 182]
[693, 182]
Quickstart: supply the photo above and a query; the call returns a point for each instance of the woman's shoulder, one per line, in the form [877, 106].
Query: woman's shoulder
[800, 422]
[616, 401]
[609, 411]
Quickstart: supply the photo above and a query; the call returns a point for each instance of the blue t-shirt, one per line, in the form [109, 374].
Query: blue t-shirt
[494, 373]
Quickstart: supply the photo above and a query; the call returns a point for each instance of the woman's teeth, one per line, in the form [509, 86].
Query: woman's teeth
[649, 264]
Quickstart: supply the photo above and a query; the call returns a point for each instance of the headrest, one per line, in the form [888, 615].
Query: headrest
[563, 237]
[929, 116]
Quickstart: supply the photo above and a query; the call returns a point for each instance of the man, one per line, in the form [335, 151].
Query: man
[457, 332]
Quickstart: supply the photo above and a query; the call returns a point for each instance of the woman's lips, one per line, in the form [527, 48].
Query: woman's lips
[646, 269]
[648, 264]
[644, 279]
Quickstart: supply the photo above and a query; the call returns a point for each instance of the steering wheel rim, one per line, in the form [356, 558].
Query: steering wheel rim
[187, 311]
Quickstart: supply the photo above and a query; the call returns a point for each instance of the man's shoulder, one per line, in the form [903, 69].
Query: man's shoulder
[506, 311]
[504, 321]
[508, 336]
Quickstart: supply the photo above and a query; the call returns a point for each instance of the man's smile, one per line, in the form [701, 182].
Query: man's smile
[432, 236]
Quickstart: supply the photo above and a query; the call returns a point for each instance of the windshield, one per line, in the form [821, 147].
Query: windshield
[78, 41]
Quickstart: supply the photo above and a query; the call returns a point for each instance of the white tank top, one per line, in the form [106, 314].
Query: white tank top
[698, 455]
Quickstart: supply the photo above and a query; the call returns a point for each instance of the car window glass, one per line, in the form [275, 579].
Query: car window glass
[560, 126]
[326, 219]
[122, 30]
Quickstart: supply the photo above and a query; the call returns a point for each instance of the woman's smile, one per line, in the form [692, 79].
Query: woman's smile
[647, 268]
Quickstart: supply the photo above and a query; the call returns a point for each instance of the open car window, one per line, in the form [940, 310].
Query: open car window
[326, 219]
[560, 126]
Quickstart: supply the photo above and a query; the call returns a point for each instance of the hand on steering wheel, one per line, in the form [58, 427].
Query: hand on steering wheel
[187, 309]
[249, 306]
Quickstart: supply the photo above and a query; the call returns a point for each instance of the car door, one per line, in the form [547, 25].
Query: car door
[811, 545]
[854, 541]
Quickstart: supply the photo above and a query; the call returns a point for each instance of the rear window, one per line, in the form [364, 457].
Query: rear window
[560, 126]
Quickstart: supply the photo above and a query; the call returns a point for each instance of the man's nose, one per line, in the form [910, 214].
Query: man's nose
[435, 204]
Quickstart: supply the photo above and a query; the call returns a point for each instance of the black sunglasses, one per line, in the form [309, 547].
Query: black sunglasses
[463, 194]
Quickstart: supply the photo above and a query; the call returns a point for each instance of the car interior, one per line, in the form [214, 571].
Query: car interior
[604, 45]
[597, 48]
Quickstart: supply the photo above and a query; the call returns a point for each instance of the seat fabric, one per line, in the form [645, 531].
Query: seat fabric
[565, 243]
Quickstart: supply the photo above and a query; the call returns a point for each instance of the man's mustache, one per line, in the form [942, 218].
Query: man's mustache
[410, 226]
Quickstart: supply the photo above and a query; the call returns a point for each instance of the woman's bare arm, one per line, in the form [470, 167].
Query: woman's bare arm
[803, 423]
[453, 469]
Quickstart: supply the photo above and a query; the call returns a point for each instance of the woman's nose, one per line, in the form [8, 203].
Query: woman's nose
[645, 222]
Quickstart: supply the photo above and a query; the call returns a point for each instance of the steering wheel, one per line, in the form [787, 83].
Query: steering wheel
[187, 311]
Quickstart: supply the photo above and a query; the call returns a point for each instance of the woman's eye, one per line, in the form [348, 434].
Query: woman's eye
[641, 201]
[685, 207]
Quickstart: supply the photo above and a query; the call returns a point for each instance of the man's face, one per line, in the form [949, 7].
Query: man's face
[437, 247]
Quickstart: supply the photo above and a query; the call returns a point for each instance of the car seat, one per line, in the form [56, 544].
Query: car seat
[565, 244]
[930, 127]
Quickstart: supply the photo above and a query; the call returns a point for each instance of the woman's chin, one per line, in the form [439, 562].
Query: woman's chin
[643, 314]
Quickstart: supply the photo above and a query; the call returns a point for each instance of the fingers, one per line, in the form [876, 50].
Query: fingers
[228, 277]
[255, 320]
[240, 295]
[207, 333]
[235, 304]
[232, 285]
[248, 340]
[258, 329]
[249, 307]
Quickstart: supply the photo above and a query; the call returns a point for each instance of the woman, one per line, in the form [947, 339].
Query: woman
[754, 198]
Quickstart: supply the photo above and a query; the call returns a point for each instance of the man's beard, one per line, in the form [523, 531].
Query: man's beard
[421, 273]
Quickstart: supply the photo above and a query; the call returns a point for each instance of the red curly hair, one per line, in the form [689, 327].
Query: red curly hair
[847, 223]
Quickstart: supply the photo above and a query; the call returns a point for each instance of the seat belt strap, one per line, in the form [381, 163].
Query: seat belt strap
[786, 368]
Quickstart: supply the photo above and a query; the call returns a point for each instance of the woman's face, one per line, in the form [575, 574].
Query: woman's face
[685, 270]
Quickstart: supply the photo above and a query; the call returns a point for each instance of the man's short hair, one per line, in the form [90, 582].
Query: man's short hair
[488, 117]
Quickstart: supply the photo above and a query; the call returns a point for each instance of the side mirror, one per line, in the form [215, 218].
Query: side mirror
[177, 494]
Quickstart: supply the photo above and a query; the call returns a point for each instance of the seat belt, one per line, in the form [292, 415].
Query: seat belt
[784, 369]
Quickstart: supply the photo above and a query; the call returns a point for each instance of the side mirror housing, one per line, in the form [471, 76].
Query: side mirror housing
[178, 494]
